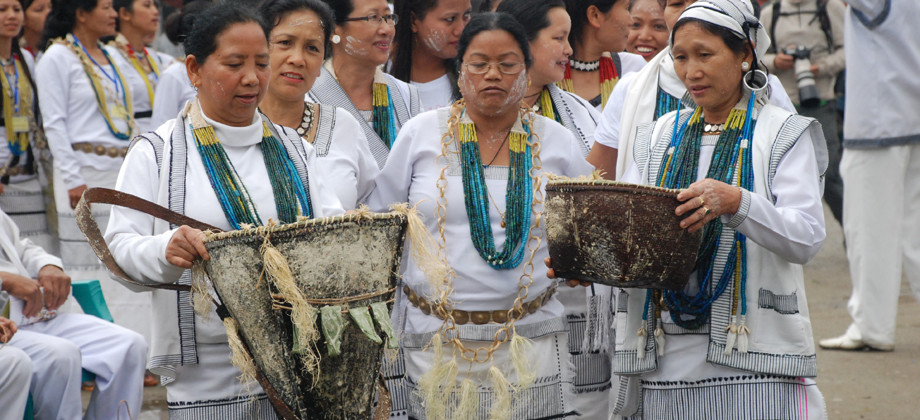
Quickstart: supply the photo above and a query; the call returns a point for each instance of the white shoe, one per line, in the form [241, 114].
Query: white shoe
[845, 342]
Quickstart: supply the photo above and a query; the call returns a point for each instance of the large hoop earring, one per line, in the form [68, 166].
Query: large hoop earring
[755, 80]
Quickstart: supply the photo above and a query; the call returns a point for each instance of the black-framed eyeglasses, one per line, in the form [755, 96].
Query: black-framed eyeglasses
[375, 18]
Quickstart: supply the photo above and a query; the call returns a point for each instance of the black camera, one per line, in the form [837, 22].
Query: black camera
[808, 92]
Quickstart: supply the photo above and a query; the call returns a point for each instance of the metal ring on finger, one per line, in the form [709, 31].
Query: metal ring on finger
[706, 211]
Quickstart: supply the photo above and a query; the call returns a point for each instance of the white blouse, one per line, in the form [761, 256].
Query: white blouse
[141, 99]
[434, 94]
[71, 114]
[173, 91]
[130, 233]
[343, 159]
[411, 175]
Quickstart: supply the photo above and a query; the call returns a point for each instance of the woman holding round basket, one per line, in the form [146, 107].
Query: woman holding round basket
[736, 342]
[483, 333]
[218, 147]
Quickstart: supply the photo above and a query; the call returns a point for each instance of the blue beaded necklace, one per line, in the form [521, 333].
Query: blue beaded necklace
[665, 103]
[732, 164]
[292, 196]
[518, 196]
[384, 120]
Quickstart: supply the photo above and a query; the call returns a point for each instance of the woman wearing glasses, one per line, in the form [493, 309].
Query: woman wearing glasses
[476, 171]
[352, 79]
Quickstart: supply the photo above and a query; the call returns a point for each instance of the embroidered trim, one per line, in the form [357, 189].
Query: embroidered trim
[784, 304]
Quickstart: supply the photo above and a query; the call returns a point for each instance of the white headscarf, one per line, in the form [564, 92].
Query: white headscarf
[736, 16]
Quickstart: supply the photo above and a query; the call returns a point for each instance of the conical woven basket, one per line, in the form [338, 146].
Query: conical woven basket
[618, 234]
[350, 261]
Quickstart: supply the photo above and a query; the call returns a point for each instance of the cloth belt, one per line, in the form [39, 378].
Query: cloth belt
[98, 149]
[462, 317]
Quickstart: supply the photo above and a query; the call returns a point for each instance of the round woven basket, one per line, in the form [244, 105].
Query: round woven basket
[618, 234]
[353, 259]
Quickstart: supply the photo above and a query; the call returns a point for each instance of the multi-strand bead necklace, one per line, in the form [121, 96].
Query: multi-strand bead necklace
[292, 195]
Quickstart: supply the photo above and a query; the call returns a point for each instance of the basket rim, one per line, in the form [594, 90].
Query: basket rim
[613, 186]
[274, 228]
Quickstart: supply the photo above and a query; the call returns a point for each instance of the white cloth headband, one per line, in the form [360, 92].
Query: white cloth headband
[731, 15]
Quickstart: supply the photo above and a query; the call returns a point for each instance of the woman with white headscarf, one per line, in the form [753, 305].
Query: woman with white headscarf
[737, 341]
[645, 96]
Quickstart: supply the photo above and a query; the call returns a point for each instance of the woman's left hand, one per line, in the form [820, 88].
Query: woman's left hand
[568, 282]
[705, 200]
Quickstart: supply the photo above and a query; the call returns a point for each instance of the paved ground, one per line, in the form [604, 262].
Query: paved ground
[861, 385]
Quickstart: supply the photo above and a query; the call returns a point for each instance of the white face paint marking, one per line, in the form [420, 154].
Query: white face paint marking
[518, 89]
[353, 46]
[436, 40]
[301, 22]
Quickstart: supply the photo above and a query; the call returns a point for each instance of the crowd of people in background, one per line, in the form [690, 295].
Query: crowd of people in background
[756, 109]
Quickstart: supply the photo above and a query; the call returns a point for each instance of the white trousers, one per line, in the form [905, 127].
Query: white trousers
[60, 347]
[15, 377]
[881, 221]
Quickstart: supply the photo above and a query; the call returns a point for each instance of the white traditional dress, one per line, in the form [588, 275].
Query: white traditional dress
[435, 94]
[59, 347]
[144, 89]
[173, 91]
[164, 167]
[343, 158]
[693, 375]
[406, 104]
[86, 152]
[412, 176]
[24, 198]
[592, 367]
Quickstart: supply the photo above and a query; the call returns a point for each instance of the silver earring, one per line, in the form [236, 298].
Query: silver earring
[336, 39]
[745, 66]
[756, 81]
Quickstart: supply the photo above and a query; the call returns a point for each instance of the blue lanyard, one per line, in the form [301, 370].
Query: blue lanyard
[14, 86]
[114, 77]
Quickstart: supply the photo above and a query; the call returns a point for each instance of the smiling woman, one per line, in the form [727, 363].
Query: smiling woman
[218, 147]
[476, 172]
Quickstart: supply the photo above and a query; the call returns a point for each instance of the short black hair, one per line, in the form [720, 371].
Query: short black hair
[340, 9]
[532, 14]
[180, 22]
[578, 11]
[273, 11]
[63, 18]
[202, 40]
[483, 22]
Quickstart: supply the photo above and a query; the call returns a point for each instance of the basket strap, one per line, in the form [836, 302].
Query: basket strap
[91, 229]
